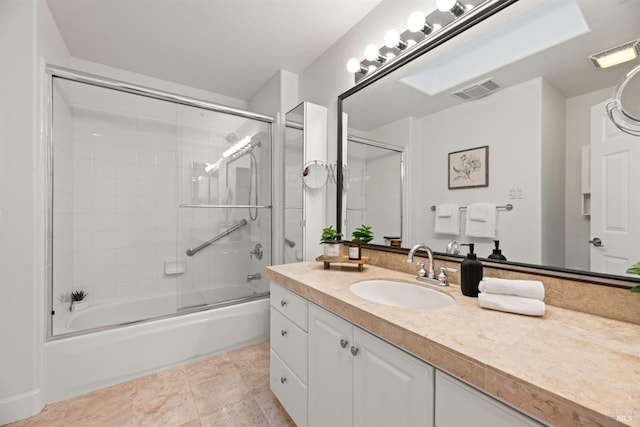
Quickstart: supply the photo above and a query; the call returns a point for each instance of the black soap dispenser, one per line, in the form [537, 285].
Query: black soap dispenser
[497, 253]
[470, 273]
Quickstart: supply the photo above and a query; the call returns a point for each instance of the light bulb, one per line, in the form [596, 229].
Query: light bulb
[445, 5]
[415, 22]
[353, 65]
[452, 6]
[371, 52]
[391, 38]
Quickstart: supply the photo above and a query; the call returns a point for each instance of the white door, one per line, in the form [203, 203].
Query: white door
[615, 195]
[391, 388]
[330, 369]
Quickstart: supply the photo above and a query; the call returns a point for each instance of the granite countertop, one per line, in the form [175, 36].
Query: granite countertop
[565, 368]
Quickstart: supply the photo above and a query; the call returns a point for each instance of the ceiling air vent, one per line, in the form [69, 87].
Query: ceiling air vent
[477, 90]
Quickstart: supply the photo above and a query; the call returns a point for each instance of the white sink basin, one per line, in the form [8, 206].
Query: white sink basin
[400, 294]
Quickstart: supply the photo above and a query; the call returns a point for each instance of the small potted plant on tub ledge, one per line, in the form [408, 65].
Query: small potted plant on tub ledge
[79, 300]
[332, 244]
[362, 234]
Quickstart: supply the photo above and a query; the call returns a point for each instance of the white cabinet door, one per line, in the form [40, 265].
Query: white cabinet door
[391, 388]
[330, 369]
[459, 405]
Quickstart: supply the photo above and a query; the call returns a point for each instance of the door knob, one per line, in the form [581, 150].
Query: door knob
[354, 350]
[596, 242]
[344, 343]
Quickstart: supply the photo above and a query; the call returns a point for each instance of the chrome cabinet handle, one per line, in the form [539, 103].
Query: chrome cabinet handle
[596, 242]
[344, 343]
[283, 302]
[283, 380]
[283, 333]
[354, 350]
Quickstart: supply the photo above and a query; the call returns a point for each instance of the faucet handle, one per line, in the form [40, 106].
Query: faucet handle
[442, 276]
[422, 272]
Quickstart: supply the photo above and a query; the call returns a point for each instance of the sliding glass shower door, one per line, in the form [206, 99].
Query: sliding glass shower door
[225, 206]
[156, 206]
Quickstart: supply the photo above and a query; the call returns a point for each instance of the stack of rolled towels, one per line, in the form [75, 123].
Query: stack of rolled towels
[514, 296]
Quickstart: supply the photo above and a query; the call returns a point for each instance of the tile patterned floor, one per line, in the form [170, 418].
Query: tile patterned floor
[231, 389]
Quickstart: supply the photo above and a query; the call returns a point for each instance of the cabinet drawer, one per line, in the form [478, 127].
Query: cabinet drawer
[290, 391]
[290, 342]
[294, 307]
[458, 404]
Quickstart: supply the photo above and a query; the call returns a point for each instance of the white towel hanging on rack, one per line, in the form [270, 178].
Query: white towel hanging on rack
[481, 220]
[447, 219]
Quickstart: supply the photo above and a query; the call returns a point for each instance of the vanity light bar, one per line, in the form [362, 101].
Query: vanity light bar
[419, 28]
[616, 55]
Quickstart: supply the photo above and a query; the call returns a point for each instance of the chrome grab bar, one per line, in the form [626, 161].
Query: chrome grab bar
[193, 251]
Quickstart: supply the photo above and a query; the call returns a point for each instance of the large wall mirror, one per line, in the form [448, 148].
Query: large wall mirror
[516, 99]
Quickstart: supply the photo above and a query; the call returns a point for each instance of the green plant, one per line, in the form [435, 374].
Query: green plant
[330, 235]
[362, 234]
[78, 295]
[635, 269]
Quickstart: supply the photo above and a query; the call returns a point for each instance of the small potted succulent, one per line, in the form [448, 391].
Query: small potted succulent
[362, 234]
[331, 240]
[79, 300]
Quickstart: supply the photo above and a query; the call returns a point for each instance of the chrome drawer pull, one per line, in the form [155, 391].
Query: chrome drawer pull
[344, 343]
[283, 380]
[283, 302]
[354, 350]
[283, 333]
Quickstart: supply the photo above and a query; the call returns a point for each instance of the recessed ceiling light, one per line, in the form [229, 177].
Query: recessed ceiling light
[616, 55]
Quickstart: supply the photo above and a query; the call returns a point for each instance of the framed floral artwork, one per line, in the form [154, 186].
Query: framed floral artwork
[469, 168]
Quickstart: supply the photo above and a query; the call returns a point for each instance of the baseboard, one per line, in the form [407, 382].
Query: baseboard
[20, 406]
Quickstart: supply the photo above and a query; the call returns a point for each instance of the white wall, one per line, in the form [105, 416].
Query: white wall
[552, 176]
[578, 116]
[26, 33]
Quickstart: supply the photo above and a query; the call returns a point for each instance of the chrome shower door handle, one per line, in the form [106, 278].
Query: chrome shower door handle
[596, 242]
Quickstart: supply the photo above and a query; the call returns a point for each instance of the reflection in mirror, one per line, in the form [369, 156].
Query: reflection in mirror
[539, 104]
[624, 110]
[314, 174]
[374, 187]
[204, 183]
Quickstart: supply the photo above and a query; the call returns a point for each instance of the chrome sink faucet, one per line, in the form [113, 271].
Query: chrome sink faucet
[429, 275]
[422, 273]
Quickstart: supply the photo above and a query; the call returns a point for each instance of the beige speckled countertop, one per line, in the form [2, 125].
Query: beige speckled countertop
[566, 368]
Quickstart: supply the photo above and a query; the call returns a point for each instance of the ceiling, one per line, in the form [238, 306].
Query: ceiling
[230, 47]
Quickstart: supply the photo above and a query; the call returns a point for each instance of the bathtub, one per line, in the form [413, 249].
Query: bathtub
[78, 364]
[126, 312]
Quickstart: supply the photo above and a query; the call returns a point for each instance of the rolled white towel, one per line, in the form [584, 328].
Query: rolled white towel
[512, 304]
[520, 288]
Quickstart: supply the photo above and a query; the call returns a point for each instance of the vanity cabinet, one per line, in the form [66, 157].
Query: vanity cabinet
[327, 372]
[288, 353]
[458, 404]
[357, 379]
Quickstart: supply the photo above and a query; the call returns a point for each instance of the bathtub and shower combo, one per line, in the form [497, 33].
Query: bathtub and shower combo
[160, 212]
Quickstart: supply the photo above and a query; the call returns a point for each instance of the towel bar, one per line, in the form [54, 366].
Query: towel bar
[508, 207]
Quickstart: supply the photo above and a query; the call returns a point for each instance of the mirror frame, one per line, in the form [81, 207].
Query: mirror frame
[465, 22]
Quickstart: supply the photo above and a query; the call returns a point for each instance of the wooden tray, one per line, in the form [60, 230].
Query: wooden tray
[344, 260]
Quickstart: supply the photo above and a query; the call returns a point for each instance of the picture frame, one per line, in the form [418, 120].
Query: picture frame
[469, 168]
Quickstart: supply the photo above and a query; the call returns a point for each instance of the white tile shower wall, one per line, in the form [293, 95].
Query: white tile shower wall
[124, 208]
